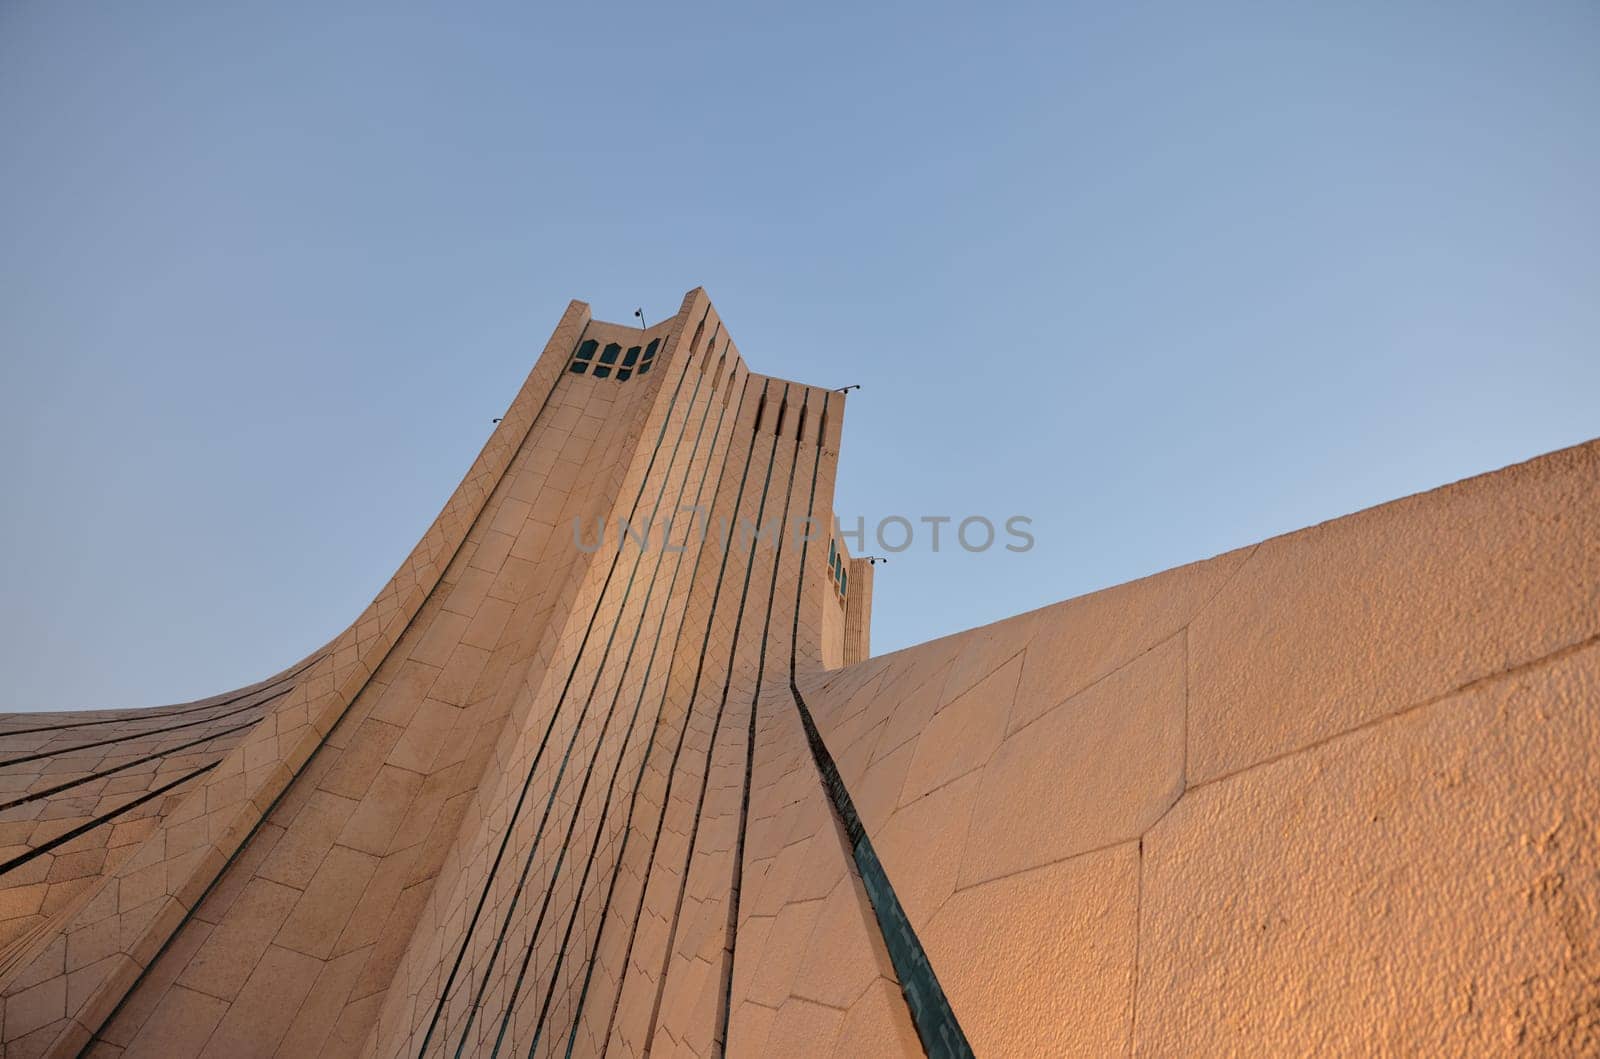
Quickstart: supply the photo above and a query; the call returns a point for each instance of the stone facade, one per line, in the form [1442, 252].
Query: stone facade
[1337, 792]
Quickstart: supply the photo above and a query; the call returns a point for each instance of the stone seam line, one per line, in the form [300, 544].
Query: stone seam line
[352, 664]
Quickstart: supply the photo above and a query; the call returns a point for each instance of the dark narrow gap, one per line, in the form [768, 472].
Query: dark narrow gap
[605, 812]
[711, 746]
[638, 783]
[160, 713]
[605, 727]
[694, 690]
[711, 344]
[544, 742]
[338, 724]
[67, 786]
[104, 818]
[720, 1041]
[931, 1014]
[583, 715]
[146, 733]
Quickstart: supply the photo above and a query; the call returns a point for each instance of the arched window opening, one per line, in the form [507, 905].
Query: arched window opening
[800, 431]
[711, 346]
[822, 428]
[761, 411]
[698, 331]
[716, 380]
[783, 410]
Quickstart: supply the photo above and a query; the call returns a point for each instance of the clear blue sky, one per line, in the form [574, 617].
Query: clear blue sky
[1168, 278]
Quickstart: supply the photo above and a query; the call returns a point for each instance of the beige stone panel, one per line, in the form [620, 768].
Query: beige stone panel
[910, 701]
[1349, 621]
[315, 1019]
[922, 847]
[728, 674]
[232, 950]
[372, 827]
[845, 952]
[617, 691]
[748, 1028]
[512, 765]
[266, 1006]
[963, 735]
[314, 925]
[618, 928]
[1075, 643]
[802, 1030]
[1042, 963]
[878, 1024]
[982, 651]
[785, 949]
[1427, 885]
[137, 1007]
[296, 855]
[180, 1029]
[1098, 769]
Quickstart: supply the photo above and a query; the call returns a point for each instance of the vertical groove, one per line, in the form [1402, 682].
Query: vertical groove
[931, 1014]
[672, 773]
[588, 702]
[594, 847]
[1138, 917]
[720, 1041]
[339, 722]
[616, 697]
[711, 747]
[633, 802]
[527, 782]
[711, 743]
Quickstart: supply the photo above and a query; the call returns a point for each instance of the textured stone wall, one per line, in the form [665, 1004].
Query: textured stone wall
[1336, 792]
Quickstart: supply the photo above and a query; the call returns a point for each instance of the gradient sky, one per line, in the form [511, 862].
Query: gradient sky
[1167, 278]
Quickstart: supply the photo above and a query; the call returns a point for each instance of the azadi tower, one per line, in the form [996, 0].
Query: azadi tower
[1337, 793]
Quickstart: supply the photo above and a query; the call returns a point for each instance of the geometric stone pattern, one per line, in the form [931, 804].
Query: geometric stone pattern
[78, 792]
[1335, 792]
